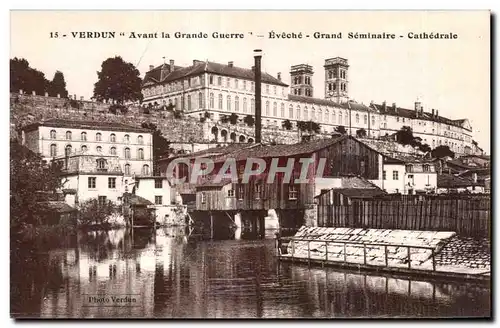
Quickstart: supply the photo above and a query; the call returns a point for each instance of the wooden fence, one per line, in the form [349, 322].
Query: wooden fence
[468, 216]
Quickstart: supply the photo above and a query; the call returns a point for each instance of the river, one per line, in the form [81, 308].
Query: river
[177, 273]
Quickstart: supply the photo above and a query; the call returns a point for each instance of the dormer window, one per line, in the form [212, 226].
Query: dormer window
[101, 165]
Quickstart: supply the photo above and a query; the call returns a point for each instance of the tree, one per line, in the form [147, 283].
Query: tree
[405, 136]
[249, 120]
[309, 126]
[233, 119]
[361, 133]
[161, 145]
[23, 77]
[442, 151]
[58, 86]
[340, 129]
[224, 119]
[29, 176]
[287, 125]
[118, 81]
[425, 148]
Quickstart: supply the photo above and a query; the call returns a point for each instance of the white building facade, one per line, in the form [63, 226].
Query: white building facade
[56, 137]
[224, 89]
[409, 176]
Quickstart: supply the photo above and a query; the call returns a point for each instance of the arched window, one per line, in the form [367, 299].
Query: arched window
[297, 112]
[145, 169]
[212, 100]
[282, 111]
[237, 103]
[357, 118]
[244, 105]
[84, 148]
[320, 115]
[127, 153]
[290, 111]
[228, 102]
[140, 153]
[334, 118]
[126, 138]
[140, 140]
[112, 137]
[220, 102]
[53, 150]
[306, 114]
[267, 108]
[346, 120]
[313, 114]
[101, 164]
[340, 117]
[112, 150]
[99, 149]
[275, 109]
[365, 119]
[252, 106]
[68, 135]
[52, 134]
[98, 136]
[127, 169]
[83, 136]
[67, 150]
[200, 100]
[327, 116]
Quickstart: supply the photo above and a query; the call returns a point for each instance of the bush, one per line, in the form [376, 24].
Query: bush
[116, 107]
[93, 213]
[74, 104]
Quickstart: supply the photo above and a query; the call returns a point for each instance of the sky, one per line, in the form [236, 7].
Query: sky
[452, 76]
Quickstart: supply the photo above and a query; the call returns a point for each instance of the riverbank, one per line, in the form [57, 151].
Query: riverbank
[440, 254]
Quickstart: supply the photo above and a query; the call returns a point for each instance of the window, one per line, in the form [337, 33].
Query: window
[228, 103]
[237, 103]
[306, 114]
[357, 118]
[290, 111]
[102, 200]
[112, 137]
[68, 135]
[409, 168]
[112, 150]
[140, 140]
[202, 198]
[282, 110]
[67, 150]
[189, 102]
[230, 193]
[111, 183]
[140, 153]
[267, 108]
[228, 82]
[244, 105]
[219, 80]
[365, 119]
[99, 149]
[297, 112]
[252, 106]
[236, 84]
[84, 148]
[127, 169]
[158, 183]
[92, 182]
[126, 138]
[258, 191]
[220, 102]
[241, 192]
[101, 164]
[275, 109]
[426, 168]
[384, 175]
[52, 134]
[211, 79]
[98, 136]
[127, 153]
[53, 150]
[158, 200]
[267, 88]
[275, 90]
[292, 192]
[212, 100]
[145, 169]
[362, 166]
[83, 136]
[395, 175]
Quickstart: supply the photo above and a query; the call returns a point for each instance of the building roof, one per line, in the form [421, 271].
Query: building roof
[135, 200]
[86, 125]
[411, 113]
[209, 183]
[452, 181]
[200, 67]
[359, 192]
[406, 159]
[325, 102]
[55, 206]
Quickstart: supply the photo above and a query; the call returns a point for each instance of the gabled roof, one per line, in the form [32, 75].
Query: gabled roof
[200, 67]
[135, 200]
[452, 181]
[86, 125]
[359, 192]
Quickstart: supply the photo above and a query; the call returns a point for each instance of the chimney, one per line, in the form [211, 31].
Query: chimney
[230, 64]
[384, 106]
[81, 98]
[151, 67]
[418, 105]
[258, 95]
[172, 66]
[74, 97]
[437, 113]
[394, 107]
[279, 76]
[433, 112]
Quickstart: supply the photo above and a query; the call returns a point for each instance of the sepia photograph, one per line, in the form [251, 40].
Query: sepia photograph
[250, 164]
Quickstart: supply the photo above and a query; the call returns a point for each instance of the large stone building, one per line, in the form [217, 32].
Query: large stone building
[132, 146]
[223, 89]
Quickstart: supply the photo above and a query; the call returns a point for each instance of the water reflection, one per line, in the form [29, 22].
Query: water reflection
[177, 273]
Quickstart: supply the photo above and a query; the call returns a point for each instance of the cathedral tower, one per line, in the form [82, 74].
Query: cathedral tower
[301, 80]
[336, 80]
